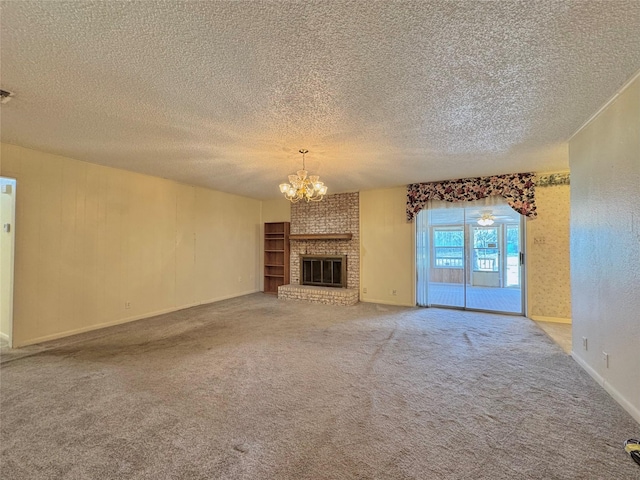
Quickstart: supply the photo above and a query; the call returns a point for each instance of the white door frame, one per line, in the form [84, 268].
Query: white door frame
[7, 227]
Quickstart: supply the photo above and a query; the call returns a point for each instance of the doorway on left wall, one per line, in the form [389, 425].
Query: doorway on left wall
[7, 248]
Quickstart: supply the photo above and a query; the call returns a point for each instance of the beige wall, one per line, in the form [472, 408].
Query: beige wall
[278, 210]
[605, 246]
[548, 272]
[387, 248]
[90, 239]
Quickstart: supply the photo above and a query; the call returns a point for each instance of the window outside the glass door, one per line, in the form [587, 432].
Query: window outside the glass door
[448, 247]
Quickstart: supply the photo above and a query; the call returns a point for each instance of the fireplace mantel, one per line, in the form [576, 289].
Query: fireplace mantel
[321, 236]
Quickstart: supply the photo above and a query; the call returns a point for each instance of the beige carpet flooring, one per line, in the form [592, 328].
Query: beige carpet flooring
[261, 388]
[560, 333]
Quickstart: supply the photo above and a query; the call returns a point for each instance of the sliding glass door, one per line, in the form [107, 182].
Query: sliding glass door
[470, 258]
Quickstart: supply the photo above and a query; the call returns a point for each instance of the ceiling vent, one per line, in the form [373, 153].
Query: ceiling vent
[5, 96]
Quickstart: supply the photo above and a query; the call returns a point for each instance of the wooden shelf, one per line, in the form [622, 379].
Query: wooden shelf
[322, 236]
[276, 256]
[276, 228]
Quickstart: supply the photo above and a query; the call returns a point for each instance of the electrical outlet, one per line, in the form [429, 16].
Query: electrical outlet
[605, 359]
[364, 290]
[127, 305]
[394, 292]
[584, 343]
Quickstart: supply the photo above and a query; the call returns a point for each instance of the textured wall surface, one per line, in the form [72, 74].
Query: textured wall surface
[90, 239]
[222, 94]
[335, 214]
[605, 246]
[548, 266]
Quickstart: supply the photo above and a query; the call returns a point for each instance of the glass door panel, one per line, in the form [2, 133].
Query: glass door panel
[463, 264]
[512, 269]
[448, 258]
[495, 273]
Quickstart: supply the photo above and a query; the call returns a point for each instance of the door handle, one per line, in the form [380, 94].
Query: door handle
[521, 258]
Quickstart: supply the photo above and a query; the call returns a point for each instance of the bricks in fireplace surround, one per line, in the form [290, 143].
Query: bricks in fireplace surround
[335, 214]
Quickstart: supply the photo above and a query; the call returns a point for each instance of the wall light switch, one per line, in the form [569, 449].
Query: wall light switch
[7, 227]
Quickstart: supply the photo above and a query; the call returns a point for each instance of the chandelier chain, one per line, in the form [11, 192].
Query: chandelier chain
[303, 152]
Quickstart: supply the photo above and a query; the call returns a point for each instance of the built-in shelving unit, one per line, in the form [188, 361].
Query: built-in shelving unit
[276, 256]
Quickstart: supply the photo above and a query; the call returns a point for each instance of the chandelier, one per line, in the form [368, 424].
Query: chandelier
[302, 187]
[486, 219]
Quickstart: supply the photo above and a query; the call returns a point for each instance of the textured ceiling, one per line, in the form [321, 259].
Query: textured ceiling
[223, 94]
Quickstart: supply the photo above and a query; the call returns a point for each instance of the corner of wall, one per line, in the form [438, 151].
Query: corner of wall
[605, 245]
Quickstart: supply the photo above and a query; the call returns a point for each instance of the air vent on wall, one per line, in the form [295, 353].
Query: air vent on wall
[5, 96]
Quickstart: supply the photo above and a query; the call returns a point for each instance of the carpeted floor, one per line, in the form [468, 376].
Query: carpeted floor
[560, 333]
[260, 388]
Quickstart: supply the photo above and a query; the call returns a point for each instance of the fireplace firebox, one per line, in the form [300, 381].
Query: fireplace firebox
[324, 270]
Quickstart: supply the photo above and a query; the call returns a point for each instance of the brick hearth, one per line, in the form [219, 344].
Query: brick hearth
[326, 295]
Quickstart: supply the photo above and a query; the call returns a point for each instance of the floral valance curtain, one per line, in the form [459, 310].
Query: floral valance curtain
[517, 188]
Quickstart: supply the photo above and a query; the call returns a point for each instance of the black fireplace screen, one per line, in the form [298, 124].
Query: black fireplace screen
[324, 271]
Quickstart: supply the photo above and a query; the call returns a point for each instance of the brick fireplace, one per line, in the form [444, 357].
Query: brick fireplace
[330, 228]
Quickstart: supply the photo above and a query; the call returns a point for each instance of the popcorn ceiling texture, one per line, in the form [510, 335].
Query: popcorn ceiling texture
[223, 94]
[335, 214]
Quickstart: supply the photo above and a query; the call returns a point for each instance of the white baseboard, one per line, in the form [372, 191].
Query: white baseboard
[385, 302]
[539, 318]
[217, 299]
[5, 337]
[120, 321]
[617, 396]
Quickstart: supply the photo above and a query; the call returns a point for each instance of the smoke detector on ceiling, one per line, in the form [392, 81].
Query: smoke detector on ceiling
[5, 96]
